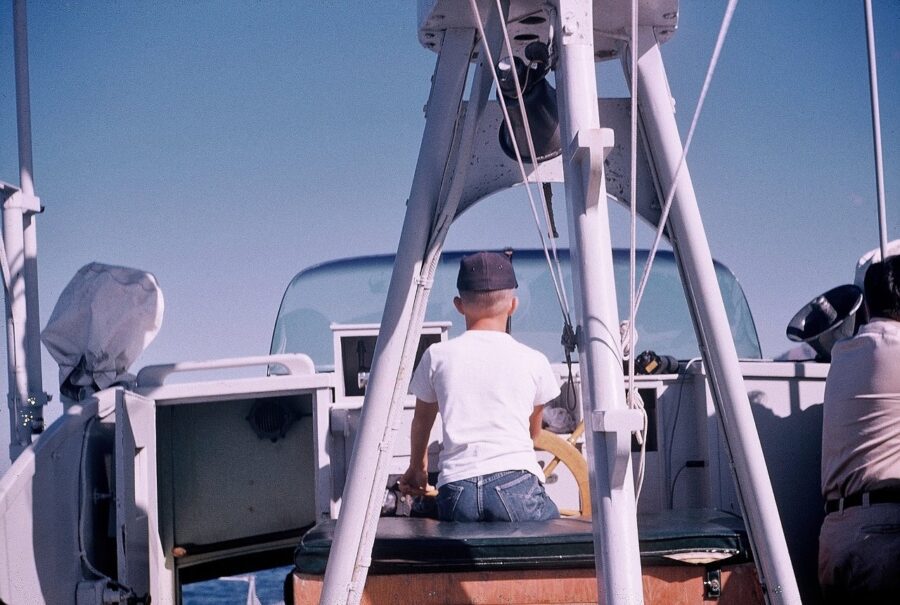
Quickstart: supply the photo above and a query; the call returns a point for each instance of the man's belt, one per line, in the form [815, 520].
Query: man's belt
[878, 496]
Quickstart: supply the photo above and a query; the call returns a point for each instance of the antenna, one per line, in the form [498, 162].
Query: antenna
[876, 130]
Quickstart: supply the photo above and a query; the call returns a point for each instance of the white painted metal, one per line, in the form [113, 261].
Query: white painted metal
[325, 472]
[293, 363]
[39, 511]
[199, 476]
[876, 130]
[136, 493]
[350, 553]
[711, 324]
[602, 388]
[20, 432]
[37, 397]
[609, 23]
[27, 397]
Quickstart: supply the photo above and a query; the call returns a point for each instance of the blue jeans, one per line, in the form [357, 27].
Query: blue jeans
[503, 496]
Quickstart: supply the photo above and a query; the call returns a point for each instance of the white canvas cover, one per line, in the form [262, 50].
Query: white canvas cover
[873, 256]
[104, 319]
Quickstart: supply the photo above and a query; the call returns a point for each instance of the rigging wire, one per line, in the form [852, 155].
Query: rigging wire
[555, 272]
[634, 401]
[720, 41]
[520, 96]
[636, 298]
[568, 339]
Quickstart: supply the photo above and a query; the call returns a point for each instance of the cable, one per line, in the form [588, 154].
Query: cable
[531, 150]
[720, 41]
[556, 276]
[687, 464]
[634, 403]
[82, 551]
[670, 436]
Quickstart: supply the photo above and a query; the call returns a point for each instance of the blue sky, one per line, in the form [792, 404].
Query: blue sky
[224, 146]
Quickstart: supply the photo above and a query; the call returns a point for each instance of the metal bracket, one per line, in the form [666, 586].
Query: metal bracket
[589, 149]
[577, 27]
[23, 202]
[622, 423]
[617, 421]
[712, 584]
[341, 423]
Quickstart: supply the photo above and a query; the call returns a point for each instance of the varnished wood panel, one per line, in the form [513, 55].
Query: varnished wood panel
[676, 585]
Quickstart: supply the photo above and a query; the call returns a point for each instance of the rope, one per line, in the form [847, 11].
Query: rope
[720, 41]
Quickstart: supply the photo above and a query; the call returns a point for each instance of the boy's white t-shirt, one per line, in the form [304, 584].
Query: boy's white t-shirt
[486, 385]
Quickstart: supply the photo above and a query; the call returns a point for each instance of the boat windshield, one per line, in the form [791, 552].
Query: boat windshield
[353, 291]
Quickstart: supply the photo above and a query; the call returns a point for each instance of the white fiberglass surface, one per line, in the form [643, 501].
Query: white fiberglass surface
[353, 291]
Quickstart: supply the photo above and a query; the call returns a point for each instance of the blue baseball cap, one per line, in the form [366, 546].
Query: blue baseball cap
[484, 271]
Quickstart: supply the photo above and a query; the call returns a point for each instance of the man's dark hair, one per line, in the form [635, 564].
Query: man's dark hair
[882, 288]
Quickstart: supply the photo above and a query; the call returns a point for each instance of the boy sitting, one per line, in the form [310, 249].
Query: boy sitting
[490, 391]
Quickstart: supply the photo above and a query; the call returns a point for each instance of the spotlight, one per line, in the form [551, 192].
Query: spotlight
[539, 98]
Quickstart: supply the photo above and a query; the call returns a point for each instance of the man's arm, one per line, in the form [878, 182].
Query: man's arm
[415, 480]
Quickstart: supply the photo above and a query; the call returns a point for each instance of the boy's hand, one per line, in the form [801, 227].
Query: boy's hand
[415, 483]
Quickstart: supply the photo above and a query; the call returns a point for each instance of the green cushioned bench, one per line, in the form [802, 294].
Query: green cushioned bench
[407, 545]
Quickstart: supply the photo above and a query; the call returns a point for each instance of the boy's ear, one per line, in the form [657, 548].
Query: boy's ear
[458, 303]
[513, 304]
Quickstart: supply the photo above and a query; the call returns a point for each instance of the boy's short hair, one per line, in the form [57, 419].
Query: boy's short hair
[487, 302]
[882, 288]
[485, 271]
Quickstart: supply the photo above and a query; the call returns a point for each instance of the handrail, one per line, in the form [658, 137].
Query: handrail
[294, 363]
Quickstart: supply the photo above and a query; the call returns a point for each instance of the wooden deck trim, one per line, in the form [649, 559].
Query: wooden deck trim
[664, 585]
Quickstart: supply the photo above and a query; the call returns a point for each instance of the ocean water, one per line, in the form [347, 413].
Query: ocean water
[233, 591]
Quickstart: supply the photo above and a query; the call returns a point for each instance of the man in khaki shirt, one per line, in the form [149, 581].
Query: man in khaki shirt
[859, 544]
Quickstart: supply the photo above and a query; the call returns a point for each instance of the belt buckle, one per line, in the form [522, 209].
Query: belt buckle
[840, 505]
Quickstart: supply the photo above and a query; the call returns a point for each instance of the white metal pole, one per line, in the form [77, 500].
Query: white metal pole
[713, 332]
[26, 398]
[876, 130]
[20, 433]
[350, 554]
[37, 397]
[23, 96]
[602, 385]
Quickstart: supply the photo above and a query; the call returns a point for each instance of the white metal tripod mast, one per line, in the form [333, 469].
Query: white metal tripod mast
[444, 155]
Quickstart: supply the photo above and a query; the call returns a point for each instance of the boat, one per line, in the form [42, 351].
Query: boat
[144, 485]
